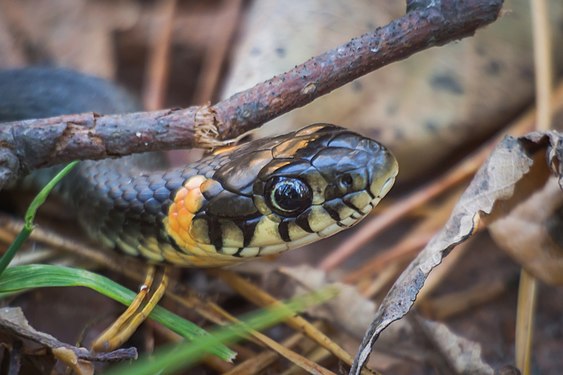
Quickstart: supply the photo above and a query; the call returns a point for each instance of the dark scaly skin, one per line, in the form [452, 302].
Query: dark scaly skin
[219, 210]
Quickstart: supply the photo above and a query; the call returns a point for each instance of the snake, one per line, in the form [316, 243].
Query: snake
[259, 198]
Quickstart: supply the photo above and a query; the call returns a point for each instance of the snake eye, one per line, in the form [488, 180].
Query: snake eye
[288, 196]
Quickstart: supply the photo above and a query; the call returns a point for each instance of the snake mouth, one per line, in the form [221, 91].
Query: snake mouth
[382, 182]
[360, 213]
[387, 185]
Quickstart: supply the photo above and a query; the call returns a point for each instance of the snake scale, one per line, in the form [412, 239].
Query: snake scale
[259, 198]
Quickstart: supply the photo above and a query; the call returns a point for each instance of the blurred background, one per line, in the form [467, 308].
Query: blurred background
[431, 110]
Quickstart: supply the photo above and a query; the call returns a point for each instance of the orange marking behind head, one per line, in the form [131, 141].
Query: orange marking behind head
[187, 201]
[178, 224]
[224, 149]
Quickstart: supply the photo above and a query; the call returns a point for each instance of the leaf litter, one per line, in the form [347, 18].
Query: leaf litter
[516, 169]
[351, 312]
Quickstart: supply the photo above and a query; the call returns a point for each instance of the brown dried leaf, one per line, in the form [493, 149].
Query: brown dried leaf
[514, 170]
[463, 355]
[77, 34]
[532, 233]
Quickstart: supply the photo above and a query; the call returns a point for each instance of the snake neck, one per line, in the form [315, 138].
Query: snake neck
[124, 205]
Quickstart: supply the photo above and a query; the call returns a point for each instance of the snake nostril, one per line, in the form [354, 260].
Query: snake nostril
[346, 182]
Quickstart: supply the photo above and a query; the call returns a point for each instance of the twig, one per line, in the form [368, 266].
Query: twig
[543, 63]
[452, 304]
[398, 253]
[526, 311]
[215, 54]
[280, 349]
[262, 298]
[259, 362]
[14, 324]
[39, 143]
[527, 291]
[156, 76]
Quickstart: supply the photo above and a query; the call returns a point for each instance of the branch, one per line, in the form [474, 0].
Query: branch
[32, 144]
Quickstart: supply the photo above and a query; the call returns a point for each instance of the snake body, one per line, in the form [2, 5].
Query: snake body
[260, 198]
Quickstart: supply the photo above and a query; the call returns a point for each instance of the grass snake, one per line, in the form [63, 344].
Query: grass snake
[259, 198]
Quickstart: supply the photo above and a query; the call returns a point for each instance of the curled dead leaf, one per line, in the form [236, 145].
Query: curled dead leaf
[517, 168]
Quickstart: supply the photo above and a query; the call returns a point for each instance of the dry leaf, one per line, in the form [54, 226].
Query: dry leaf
[352, 312]
[515, 169]
[76, 34]
[463, 355]
[532, 233]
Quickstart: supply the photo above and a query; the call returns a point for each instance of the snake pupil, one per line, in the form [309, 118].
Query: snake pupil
[288, 195]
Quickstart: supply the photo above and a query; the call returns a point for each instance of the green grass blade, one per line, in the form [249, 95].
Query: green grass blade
[22, 236]
[30, 216]
[171, 359]
[20, 278]
[44, 193]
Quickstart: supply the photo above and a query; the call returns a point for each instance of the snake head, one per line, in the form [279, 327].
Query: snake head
[272, 195]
